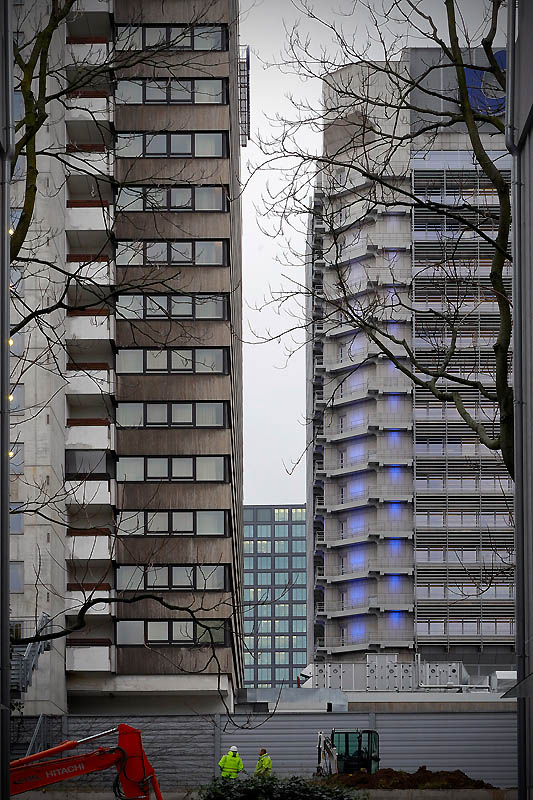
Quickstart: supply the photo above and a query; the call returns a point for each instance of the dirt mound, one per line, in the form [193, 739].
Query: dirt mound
[423, 778]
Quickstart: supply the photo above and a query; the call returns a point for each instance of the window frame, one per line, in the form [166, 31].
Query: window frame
[170, 641]
[169, 459]
[169, 37]
[196, 301]
[169, 262]
[170, 529]
[169, 406]
[145, 137]
[168, 84]
[170, 586]
[144, 193]
[169, 370]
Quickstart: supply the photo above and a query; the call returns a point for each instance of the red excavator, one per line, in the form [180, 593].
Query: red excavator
[135, 775]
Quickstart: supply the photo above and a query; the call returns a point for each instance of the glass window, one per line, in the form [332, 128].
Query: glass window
[281, 531]
[183, 521]
[298, 531]
[210, 360]
[210, 523]
[282, 562]
[282, 674]
[299, 641]
[211, 630]
[264, 546]
[208, 37]
[130, 522]
[129, 200]
[155, 199]
[180, 252]
[264, 674]
[281, 642]
[282, 546]
[248, 563]
[180, 91]
[157, 631]
[263, 579]
[299, 626]
[129, 92]
[157, 522]
[183, 576]
[264, 610]
[248, 547]
[210, 468]
[156, 306]
[281, 609]
[155, 37]
[129, 253]
[182, 469]
[157, 252]
[129, 306]
[183, 631]
[282, 626]
[299, 609]
[281, 578]
[130, 415]
[181, 306]
[129, 145]
[298, 562]
[156, 91]
[181, 360]
[209, 90]
[249, 579]
[298, 514]
[181, 198]
[264, 514]
[181, 38]
[264, 562]
[16, 518]
[18, 106]
[281, 658]
[182, 414]
[129, 361]
[156, 469]
[210, 414]
[155, 144]
[299, 657]
[180, 144]
[281, 514]
[209, 198]
[209, 252]
[92, 463]
[299, 547]
[209, 307]
[211, 577]
[208, 145]
[130, 469]
[157, 414]
[130, 577]
[16, 577]
[157, 577]
[264, 531]
[156, 361]
[130, 631]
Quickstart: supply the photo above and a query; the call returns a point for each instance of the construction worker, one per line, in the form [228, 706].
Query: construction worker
[231, 764]
[264, 764]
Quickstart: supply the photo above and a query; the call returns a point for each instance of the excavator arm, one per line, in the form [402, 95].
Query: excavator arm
[134, 772]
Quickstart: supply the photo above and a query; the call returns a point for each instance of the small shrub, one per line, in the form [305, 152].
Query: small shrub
[272, 788]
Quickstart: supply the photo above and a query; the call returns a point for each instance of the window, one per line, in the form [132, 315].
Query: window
[298, 594]
[249, 674]
[180, 91]
[208, 144]
[16, 518]
[281, 546]
[264, 514]
[281, 531]
[299, 610]
[281, 514]
[299, 641]
[200, 306]
[166, 415]
[281, 578]
[173, 361]
[248, 515]
[264, 642]
[18, 107]
[298, 547]
[299, 657]
[16, 399]
[298, 562]
[282, 658]
[172, 37]
[264, 674]
[264, 610]
[130, 632]
[264, 546]
[298, 531]
[176, 198]
[282, 674]
[188, 252]
[16, 577]
[282, 562]
[188, 523]
[168, 468]
[282, 609]
[282, 626]
[204, 577]
[87, 464]
[264, 562]
[249, 547]
[248, 563]
[281, 642]
[299, 626]
[263, 579]
[16, 459]
[298, 514]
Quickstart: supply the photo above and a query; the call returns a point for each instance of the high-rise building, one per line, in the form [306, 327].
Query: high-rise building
[127, 453]
[411, 524]
[275, 626]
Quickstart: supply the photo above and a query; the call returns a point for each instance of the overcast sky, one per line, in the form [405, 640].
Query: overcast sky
[274, 386]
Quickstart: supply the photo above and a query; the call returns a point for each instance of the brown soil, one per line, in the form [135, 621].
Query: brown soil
[421, 779]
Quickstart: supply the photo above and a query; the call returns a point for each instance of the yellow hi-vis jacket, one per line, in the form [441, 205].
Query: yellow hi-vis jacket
[264, 765]
[230, 765]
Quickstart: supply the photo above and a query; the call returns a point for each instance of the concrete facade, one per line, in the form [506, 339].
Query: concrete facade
[127, 444]
[411, 537]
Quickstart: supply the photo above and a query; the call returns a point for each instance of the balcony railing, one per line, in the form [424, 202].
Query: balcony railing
[379, 601]
[379, 528]
[402, 638]
[386, 565]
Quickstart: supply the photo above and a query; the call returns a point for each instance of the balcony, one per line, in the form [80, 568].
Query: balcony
[376, 385]
[381, 566]
[86, 51]
[89, 434]
[90, 106]
[373, 603]
[89, 160]
[91, 545]
[90, 379]
[89, 658]
[89, 492]
[375, 458]
[92, 268]
[90, 324]
[339, 644]
[369, 495]
[79, 594]
[369, 422]
[377, 530]
[82, 215]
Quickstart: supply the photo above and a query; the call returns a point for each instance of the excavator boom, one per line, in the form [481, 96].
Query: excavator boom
[134, 771]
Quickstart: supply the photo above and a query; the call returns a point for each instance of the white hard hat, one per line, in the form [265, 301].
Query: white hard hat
[233, 748]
